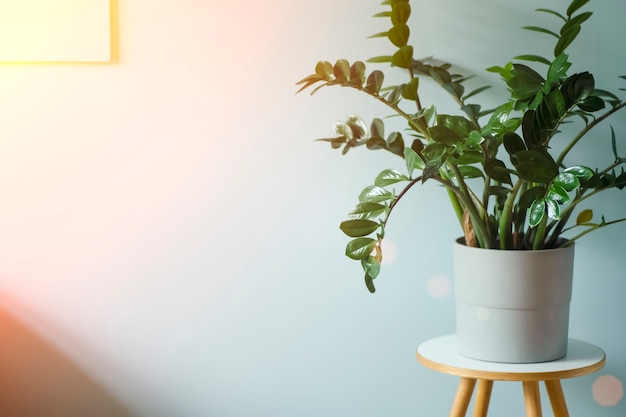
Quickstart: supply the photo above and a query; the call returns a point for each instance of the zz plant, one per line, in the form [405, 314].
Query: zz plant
[509, 187]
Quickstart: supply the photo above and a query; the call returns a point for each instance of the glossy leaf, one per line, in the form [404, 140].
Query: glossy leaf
[552, 209]
[360, 248]
[357, 74]
[371, 266]
[325, 70]
[388, 177]
[558, 194]
[358, 227]
[367, 210]
[581, 172]
[375, 194]
[413, 160]
[567, 180]
[537, 212]
[369, 283]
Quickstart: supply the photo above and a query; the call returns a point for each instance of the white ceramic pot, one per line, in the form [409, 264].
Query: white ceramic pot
[512, 305]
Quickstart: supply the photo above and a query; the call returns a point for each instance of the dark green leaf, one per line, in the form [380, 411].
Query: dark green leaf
[358, 227]
[540, 29]
[552, 12]
[533, 58]
[444, 135]
[476, 91]
[395, 143]
[513, 143]
[566, 39]
[591, 104]
[575, 5]
[369, 283]
[496, 170]
[388, 177]
[535, 166]
[360, 248]
[468, 171]
[576, 20]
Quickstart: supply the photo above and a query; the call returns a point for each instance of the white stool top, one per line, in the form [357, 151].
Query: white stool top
[441, 355]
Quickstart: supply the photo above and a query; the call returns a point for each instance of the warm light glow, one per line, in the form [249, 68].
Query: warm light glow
[54, 30]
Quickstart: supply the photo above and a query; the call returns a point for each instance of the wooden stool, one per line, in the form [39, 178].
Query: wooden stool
[440, 354]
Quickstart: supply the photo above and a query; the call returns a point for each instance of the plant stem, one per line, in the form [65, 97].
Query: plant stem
[506, 219]
[594, 227]
[587, 128]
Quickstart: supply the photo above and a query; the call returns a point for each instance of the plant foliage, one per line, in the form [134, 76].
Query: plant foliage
[527, 194]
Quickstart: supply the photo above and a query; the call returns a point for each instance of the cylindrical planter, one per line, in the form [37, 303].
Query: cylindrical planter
[512, 305]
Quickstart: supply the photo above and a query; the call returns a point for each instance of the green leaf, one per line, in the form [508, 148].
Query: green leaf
[581, 172]
[367, 210]
[399, 34]
[535, 166]
[403, 57]
[566, 39]
[375, 194]
[358, 227]
[591, 104]
[369, 283]
[575, 5]
[584, 217]
[476, 91]
[468, 171]
[444, 135]
[533, 58]
[552, 12]
[395, 143]
[371, 265]
[400, 12]
[558, 69]
[558, 194]
[380, 59]
[412, 160]
[567, 180]
[410, 91]
[541, 30]
[552, 207]
[360, 248]
[496, 170]
[537, 211]
[388, 177]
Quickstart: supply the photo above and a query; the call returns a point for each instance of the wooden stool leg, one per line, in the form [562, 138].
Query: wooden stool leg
[531, 399]
[555, 392]
[462, 397]
[483, 395]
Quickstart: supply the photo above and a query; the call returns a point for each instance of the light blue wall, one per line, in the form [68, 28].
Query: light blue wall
[203, 272]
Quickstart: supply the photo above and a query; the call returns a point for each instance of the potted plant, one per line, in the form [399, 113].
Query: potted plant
[505, 169]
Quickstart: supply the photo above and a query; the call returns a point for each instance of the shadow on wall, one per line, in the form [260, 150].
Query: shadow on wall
[36, 380]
